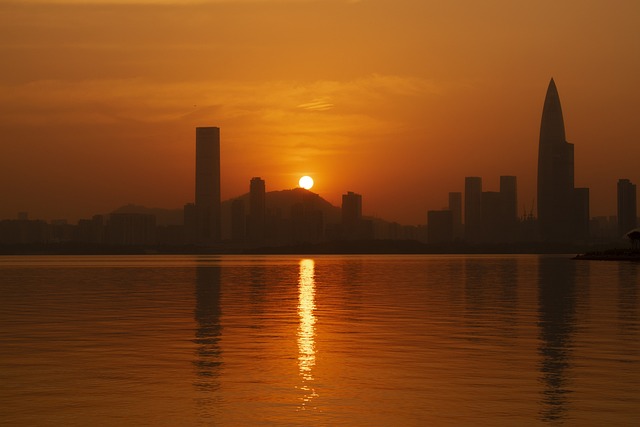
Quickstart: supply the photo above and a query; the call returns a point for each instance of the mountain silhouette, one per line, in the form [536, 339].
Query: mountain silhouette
[278, 203]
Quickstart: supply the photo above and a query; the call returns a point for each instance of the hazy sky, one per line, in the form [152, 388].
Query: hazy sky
[398, 100]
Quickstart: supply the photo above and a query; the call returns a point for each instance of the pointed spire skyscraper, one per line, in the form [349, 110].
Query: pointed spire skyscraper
[559, 207]
[552, 125]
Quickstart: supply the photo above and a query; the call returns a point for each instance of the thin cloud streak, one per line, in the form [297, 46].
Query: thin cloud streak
[169, 2]
[153, 102]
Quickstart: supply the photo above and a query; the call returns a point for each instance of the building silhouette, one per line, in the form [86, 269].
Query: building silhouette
[491, 213]
[473, 209]
[23, 231]
[238, 220]
[489, 216]
[351, 209]
[509, 208]
[306, 218]
[627, 215]
[90, 231]
[131, 229]
[455, 206]
[208, 211]
[604, 228]
[581, 213]
[440, 226]
[354, 226]
[561, 209]
[190, 223]
[509, 194]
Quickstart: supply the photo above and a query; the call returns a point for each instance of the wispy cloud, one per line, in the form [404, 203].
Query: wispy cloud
[300, 121]
[161, 2]
[318, 104]
[150, 101]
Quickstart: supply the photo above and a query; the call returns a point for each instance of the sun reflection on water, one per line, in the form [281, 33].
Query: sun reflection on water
[306, 329]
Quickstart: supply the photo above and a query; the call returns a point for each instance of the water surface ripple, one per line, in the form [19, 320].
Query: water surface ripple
[323, 340]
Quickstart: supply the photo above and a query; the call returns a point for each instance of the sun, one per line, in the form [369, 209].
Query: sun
[306, 182]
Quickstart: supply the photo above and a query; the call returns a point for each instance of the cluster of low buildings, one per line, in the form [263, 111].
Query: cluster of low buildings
[116, 229]
[491, 217]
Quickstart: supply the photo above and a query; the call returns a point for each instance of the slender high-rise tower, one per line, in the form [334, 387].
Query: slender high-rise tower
[208, 212]
[351, 209]
[351, 214]
[556, 199]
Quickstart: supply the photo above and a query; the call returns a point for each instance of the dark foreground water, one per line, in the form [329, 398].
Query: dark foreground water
[330, 340]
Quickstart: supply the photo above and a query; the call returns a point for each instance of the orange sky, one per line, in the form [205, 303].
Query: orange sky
[398, 100]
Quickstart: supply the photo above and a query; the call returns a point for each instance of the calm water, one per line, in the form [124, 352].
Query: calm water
[330, 340]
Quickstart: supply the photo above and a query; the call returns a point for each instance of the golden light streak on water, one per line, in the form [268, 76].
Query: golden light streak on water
[306, 328]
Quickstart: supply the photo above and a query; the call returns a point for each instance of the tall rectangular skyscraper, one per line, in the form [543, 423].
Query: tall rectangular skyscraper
[351, 209]
[208, 212]
[627, 215]
[351, 215]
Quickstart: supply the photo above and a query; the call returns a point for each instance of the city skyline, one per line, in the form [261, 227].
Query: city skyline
[562, 203]
[397, 101]
[300, 217]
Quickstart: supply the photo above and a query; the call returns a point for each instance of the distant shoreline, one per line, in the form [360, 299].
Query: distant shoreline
[611, 255]
[353, 247]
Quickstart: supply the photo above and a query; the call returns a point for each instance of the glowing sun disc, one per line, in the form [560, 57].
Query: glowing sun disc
[306, 182]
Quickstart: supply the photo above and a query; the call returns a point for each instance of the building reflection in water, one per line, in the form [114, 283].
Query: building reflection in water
[628, 299]
[208, 360]
[306, 328]
[556, 311]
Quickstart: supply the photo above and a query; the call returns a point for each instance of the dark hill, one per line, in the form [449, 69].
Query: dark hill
[278, 203]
